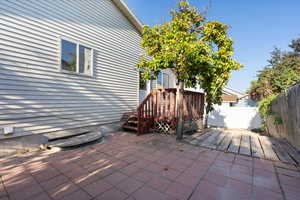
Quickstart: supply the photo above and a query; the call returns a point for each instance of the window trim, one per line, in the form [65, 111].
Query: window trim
[167, 75]
[77, 58]
[140, 79]
[162, 80]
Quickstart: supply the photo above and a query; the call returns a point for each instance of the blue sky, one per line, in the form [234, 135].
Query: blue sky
[256, 26]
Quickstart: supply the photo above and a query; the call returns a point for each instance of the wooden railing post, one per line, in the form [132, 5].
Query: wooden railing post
[160, 104]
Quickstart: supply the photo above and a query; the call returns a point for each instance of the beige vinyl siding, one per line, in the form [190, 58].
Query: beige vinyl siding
[35, 96]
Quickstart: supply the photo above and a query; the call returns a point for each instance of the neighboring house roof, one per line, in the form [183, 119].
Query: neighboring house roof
[229, 98]
[231, 91]
[129, 15]
[246, 95]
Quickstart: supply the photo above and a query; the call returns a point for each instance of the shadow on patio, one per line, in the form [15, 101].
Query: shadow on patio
[146, 167]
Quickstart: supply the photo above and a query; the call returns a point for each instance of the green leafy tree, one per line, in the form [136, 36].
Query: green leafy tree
[282, 72]
[196, 50]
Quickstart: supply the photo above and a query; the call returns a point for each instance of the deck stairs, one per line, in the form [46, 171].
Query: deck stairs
[160, 106]
[131, 122]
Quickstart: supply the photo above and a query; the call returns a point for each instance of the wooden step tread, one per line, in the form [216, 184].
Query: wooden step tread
[132, 116]
[130, 127]
[132, 122]
[76, 140]
[65, 134]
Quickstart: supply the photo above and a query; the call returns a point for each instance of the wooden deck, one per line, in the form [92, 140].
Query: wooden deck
[160, 106]
[247, 143]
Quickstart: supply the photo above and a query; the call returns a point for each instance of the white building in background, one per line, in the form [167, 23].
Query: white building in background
[233, 98]
[236, 111]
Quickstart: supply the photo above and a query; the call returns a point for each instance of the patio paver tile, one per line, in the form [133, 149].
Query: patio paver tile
[223, 164]
[103, 172]
[187, 179]
[60, 191]
[86, 179]
[143, 176]
[77, 195]
[54, 182]
[147, 193]
[2, 190]
[155, 168]
[142, 163]
[261, 193]
[19, 184]
[170, 173]
[228, 157]
[216, 178]
[136, 168]
[239, 186]
[263, 164]
[206, 190]
[242, 169]
[130, 170]
[41, 196]
[179, 191]
[287, 180]
[96, 188]
[112, 194]
[129, 185]
[115, 178]
[289, 172]
[285, 166]
[266, 180]
[291, 192]
[159, 183]
[46, 174]
[25, 193]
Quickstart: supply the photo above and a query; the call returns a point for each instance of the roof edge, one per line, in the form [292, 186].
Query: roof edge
[129, 14]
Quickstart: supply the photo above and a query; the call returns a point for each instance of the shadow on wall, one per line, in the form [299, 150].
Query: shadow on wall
[216, 119]
[41, 100]
[255, 122]
[36, 97]
[235, 117]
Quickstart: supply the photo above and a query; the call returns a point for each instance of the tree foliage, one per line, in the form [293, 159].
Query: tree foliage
[282, 71]
[196, 50]
[264, 105]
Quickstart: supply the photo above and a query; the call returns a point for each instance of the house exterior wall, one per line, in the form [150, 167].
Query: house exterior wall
[245, 102]
[35, 96]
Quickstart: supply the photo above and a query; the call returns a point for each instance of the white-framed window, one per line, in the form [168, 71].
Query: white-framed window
[163, 80]
[143, 83]
[166, 80]
[160, 80]
[76, 58]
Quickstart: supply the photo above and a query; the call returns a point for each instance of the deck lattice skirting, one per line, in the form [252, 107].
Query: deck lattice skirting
[159, 107]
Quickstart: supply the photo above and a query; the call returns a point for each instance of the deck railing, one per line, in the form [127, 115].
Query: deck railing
[160, 105]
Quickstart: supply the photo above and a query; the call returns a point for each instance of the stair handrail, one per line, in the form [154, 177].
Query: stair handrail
[152, 108]
[141, 123]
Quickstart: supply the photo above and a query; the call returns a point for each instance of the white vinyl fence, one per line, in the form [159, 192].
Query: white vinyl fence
[235, 117]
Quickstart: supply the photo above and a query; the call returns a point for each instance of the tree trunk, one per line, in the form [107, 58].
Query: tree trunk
[206, 117]
[179, 100]
[205, 121]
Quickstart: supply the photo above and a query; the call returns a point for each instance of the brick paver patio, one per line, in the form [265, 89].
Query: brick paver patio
[148, 167]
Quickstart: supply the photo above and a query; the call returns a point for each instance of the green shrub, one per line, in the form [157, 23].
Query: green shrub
[277, 120]
[264, 105]
[258, 130]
